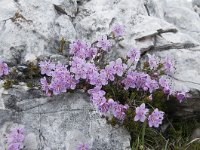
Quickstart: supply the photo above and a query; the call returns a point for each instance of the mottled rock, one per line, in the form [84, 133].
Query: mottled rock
[62, 122]
[65, 28]
[7, 9]
[155, 26]
[174, 40]
[178, 12]
[1, 91]
[68, 7]
[185, 19]
[31, 141]
[37, 33]
[158, 8]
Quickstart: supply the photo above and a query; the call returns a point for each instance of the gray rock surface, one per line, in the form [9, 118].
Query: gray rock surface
[59, 123]
[32, 29]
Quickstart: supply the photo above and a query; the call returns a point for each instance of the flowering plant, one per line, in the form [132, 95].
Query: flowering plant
[128, 91]
[15, 138]
[121, 90]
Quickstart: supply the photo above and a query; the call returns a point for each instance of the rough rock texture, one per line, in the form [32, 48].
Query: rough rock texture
[61, 122]
[33, 28]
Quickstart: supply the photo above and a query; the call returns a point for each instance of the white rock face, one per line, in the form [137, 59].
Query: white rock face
[32, 28]
[28, 30]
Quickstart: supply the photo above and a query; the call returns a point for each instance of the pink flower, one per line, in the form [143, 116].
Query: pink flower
[141, 113]
[45, 86]
[181, 95]
[155, 119]
[168, 65]
[130, 80]
[110, 71]
[104, 43]
[91, 52]
[3, 68]
[118, 110]
[133, 54]
[152, 85]
[118, 30]
[153, 62]
[15, 138]
[104, 106]
[78, 67]
[46, 67]
[78, 48]
[119, 67]
[165, 84]
[14, 146]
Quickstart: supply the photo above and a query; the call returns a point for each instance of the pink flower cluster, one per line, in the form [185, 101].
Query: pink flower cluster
[82, 67]
[61, 78]
[154, 119]
[150, 83]
[4, 70]
[15, 138]
[82, 49]
[140, 80]
[97, 96]
[154, 63]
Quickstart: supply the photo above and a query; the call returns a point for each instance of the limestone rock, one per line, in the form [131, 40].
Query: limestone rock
[31, 31]
[186, 20]
[60, 122]
[174, 40]
[155, 26]
[178, 12]
[7, 9]
[68, 7]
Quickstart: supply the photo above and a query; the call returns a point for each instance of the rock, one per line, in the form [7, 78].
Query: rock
[31, 142]
[158, 8]
[62, 122]
[196, 2]
[1, 91]
[182, 46]
[68, 33]
[182, 17]
[195, 134]
[155, 27]
[174, 40]
[196, 6]
[68, 7]
[8, 9]
[27, 33]
[178, 12]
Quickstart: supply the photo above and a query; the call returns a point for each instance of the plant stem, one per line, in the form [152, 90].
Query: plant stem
[143, 132]
[166, 145]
